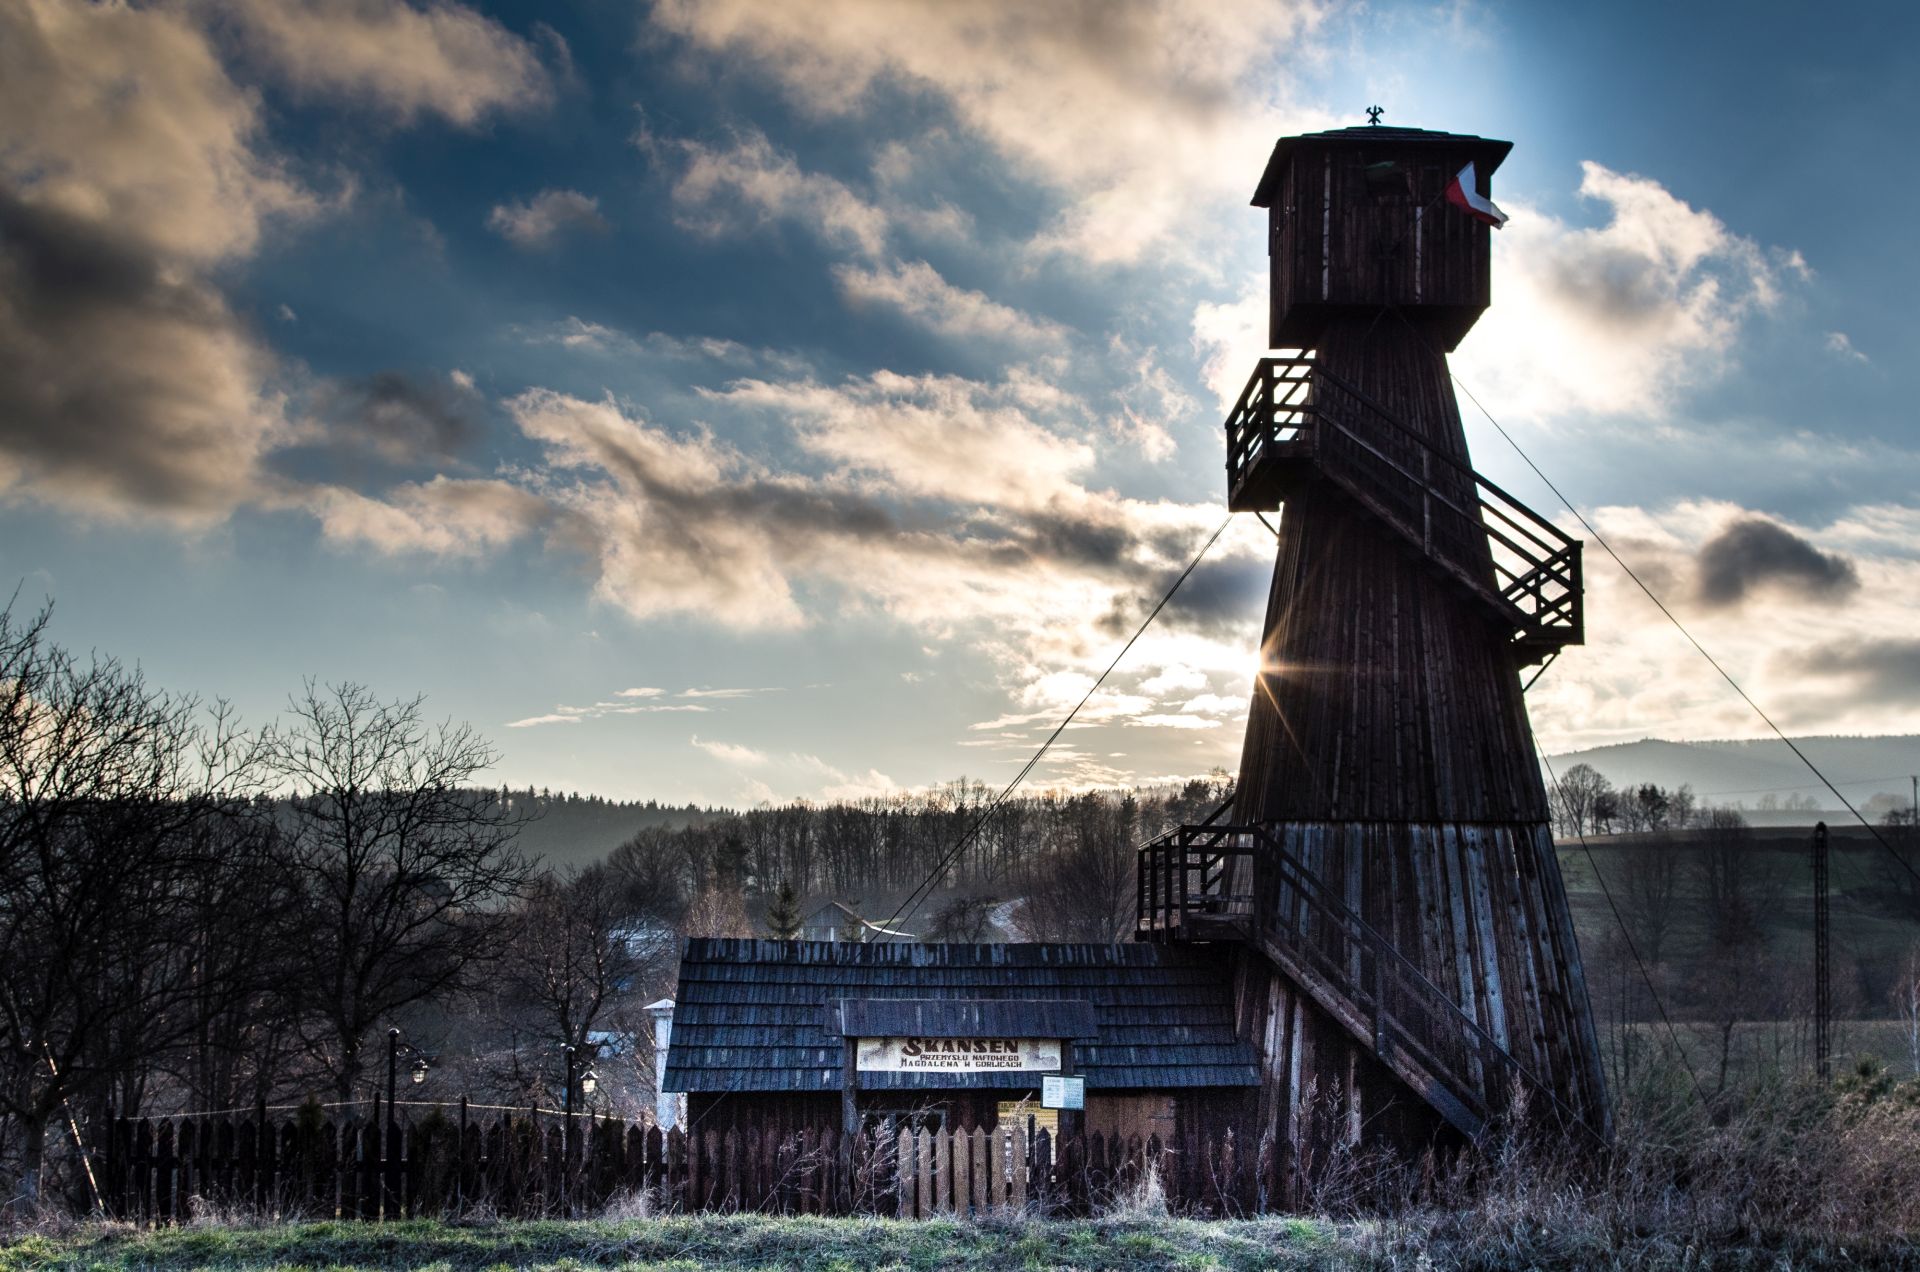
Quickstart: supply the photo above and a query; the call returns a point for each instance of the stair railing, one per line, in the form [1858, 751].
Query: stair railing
[1293, 407]
[1379, 994]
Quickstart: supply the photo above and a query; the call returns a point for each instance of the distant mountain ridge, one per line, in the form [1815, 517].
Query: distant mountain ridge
[1746, 772]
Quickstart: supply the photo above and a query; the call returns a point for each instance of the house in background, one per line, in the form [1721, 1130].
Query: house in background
[838, 920]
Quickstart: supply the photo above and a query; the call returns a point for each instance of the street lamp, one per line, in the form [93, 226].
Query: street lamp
[588, 1082]
[419, 1067]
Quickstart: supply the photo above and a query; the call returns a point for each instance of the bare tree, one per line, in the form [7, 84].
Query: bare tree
[1737, 884]
[1906, 1003]
[576, 967]
[1900, 871]
[1576, 798]
[403, 867]
[1649, 892]
[963, 918]
[653, 870]
[1081, 886]
[109, 790]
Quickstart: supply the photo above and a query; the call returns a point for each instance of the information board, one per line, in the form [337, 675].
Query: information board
[957, 1055]
[1057, 1092]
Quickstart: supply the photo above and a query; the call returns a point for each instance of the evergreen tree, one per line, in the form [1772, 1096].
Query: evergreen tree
[783, 914]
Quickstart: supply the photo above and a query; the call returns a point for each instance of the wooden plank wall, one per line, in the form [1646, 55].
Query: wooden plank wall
[1337, 246]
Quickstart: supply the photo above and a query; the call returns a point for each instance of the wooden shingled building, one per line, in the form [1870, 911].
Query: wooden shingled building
[1408, 957]
[783, 1036]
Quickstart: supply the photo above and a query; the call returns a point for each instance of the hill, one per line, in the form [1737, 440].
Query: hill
[1747, 773]
[578, 830]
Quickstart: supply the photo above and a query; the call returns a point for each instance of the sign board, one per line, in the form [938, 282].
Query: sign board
[957, 1055]
[1057, 1092]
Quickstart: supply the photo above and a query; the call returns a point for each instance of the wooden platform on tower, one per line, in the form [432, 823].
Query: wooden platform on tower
[1385, 864]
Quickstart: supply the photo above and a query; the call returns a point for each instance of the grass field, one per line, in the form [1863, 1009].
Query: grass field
[694, 1244]
[712, 1241]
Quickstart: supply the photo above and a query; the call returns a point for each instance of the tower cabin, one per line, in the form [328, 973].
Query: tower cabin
[1406, 957]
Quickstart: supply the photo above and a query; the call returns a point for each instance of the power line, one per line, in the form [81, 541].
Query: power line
[1682, 628]
[920, 893]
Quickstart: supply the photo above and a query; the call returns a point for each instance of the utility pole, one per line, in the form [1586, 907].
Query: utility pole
[1822, 940]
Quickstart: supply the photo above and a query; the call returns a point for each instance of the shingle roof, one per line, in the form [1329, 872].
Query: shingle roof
[962, 1017]
[752, 1015]
[1485, 150]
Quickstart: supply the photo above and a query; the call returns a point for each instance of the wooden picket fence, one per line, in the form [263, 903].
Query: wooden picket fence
[168, 1170]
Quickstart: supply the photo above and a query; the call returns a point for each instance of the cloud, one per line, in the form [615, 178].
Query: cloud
[722, 190]
[583, 336]
[126, 386]
[442, 59]
[938, 436]
[400, 418]
[1163, 721]
[1149, 400]
[123, 119]
[852, 788]
[731, 753]
[946, 505]
[444, 516]
[1840, 346]
[1618, 318]
[918, 291]
[541, 220]
[1637, 677]
[642, 692]
[1224, 596]
[534, 721]
[129, 167]
[1752, 553]
[1883, 671]
[1073, 94]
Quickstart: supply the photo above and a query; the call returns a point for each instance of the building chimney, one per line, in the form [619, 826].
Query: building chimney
[666, 1105]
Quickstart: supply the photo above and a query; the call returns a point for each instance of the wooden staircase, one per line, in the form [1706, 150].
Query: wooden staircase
[1297, 423]
[1204, 882]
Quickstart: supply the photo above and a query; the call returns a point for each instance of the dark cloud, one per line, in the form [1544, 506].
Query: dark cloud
[125, 382]
[1752, 553]
[1080, 540]
[1618, 285]
[1883, 670]
[401, 418]
[1218, 599]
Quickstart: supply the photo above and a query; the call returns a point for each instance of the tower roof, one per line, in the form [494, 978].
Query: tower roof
[1487, 151]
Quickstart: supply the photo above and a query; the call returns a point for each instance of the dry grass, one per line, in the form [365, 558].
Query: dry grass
[1796, 1176]
[1793, 1176]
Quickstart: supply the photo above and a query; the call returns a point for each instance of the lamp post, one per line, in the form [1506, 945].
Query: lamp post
[418, 1069]
[566, 1103]
[393, 1053]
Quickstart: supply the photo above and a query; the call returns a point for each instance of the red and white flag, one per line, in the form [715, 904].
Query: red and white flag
[1463, 195]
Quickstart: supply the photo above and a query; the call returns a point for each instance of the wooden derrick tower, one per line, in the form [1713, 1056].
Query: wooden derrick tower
[1409, 958]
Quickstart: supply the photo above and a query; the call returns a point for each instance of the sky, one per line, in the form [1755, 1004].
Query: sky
[727, 402]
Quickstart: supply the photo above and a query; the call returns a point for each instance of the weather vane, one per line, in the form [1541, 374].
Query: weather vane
[1373, 115]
